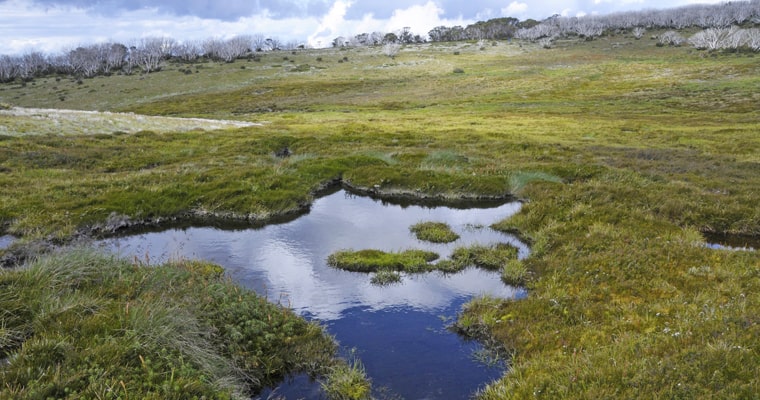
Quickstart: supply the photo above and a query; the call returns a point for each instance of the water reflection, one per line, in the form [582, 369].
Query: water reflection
[732, 242]
[6, 241]
[396, 329]
[287, 261]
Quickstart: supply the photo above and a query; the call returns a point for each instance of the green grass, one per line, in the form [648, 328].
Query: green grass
[624, 153]
[347, 381]
[492, 258]
[78, 324]
[371, 260]
[435, 232]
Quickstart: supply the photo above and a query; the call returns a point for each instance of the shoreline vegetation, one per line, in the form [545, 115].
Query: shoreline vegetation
[79, 323]
[624, 153]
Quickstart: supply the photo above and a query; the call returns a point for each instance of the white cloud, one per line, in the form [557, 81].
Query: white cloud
[514, 9]
[421, 18]
[330, 25]
[52, 29]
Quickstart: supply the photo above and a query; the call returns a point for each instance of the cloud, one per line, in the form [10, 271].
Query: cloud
[50, 29]
[420, 18]
[330, 24]
[342, 20]
[514, 9]
[212, 9]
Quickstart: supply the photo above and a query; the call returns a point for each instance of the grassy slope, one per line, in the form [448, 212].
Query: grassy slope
[649, 145]
[81, 325]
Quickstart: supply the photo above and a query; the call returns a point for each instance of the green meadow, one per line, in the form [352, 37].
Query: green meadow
[625, 154]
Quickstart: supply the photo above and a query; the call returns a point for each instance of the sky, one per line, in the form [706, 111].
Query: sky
[52, 26]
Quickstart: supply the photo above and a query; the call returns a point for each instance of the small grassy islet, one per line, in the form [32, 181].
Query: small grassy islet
[387, 265]
[371, 260]
[435, 232]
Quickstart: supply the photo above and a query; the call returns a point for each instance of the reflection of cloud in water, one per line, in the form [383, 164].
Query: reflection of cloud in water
[6, 241]
[288, 261]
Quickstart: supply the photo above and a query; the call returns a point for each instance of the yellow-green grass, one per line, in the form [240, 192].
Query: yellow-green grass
[623, 151]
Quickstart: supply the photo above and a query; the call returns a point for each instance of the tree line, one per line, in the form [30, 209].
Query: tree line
[718, 16]
[715, 16]
[145, 54]
[729, 25]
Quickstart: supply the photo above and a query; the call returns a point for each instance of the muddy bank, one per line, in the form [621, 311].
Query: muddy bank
[118, 224]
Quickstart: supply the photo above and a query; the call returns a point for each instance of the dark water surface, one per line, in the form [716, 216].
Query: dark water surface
[732, 242]
[398, 331]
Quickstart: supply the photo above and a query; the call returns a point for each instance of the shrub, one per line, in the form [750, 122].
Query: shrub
[670, 38]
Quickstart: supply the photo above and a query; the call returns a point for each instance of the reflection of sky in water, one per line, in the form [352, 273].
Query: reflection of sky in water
[397, 330]
[287, 262]
[6, 241]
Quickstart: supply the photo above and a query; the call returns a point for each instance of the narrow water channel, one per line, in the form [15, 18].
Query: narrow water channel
[398, 331]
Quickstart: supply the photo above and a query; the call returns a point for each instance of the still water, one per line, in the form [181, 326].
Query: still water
[6, 241]
[398, 331]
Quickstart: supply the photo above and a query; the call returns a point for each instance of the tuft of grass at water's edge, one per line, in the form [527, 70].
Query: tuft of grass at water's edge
[76, 323]
[622, 151]
[347, 381]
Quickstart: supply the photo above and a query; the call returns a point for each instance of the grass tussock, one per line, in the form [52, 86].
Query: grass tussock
[493, 258]
[80, 324]
[347, 381]
[371, 260]
[435, 232]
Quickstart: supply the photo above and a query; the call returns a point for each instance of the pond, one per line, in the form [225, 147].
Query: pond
[6, 241]
[732, 242]
[397, 331]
